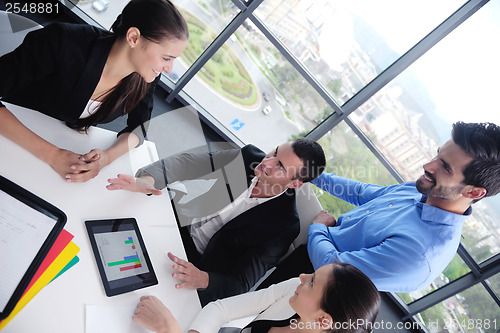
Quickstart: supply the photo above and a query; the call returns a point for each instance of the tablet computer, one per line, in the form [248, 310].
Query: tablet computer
[29, 227]
[121, 255]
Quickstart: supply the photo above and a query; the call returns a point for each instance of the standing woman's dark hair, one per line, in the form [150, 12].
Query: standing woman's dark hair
[350, 297]
[157, 21]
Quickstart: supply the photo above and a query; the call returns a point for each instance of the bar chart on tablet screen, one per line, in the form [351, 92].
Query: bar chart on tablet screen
[121, 254]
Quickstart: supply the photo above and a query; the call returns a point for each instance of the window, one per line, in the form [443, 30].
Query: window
[255, 93]
[472, 310]
[345, 44]
[206, 19]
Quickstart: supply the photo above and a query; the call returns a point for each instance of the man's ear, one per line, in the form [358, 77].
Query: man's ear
[475, 193]
[325, 320]
[296, 183]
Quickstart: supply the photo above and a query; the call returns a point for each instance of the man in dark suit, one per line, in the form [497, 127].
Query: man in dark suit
[247, 220]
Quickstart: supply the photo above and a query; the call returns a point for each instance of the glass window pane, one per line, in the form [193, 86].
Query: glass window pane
[206, 19]
[412, 115]
[345, 44]
[455, 269]
[347, 156]
[472, 310]
[254, 92]
[495, 283]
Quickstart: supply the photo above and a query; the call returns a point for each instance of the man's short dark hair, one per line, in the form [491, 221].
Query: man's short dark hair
[482, 142]
[312, 156]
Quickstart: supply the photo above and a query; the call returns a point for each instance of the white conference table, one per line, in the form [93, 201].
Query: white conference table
[61, 305]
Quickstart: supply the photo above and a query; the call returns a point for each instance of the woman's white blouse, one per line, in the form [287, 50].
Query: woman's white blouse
[90, 108]
[270, 304]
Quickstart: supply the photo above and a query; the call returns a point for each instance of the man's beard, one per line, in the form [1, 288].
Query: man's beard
[445, 193]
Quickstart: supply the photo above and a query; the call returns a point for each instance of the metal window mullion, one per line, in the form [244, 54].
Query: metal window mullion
[240, 4]
[297, 64]
[450, 289]
[212, 49]
[490, 291]
[324, 127]
[469, 261]
[490, 261]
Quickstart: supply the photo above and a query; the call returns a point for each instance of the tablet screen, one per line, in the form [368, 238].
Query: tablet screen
[121, 255]
[28, 227]
[23, 230]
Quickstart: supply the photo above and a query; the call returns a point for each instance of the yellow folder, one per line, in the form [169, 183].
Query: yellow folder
[50, 273]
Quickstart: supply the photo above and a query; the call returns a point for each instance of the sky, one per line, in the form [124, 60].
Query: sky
[460, 72]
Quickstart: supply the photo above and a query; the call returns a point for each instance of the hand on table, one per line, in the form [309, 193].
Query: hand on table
[155, 316]
[191, 277]
[63, 160]
[325, 218]
[90, 165]
[132, 184]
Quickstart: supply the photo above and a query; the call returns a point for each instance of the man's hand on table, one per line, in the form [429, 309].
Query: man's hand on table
[132, 184]
[191, 277]
[325, 218]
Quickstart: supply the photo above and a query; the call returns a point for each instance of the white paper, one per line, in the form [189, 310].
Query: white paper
[111, 319]
[23, 230]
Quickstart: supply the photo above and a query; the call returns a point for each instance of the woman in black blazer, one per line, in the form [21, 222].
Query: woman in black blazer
[86, 76]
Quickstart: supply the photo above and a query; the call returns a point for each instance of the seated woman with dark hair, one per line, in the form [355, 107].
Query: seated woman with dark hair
[336, 298]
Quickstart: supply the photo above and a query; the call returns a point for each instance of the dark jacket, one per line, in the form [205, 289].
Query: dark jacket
[56, 69]
[241, 252]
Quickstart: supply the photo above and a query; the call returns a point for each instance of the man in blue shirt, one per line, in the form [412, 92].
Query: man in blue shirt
[403, 236]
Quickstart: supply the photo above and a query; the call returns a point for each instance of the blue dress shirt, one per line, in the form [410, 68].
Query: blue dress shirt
[398, 241]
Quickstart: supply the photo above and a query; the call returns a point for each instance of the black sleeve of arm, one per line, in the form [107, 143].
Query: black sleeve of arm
[31, 61]
[250, 267]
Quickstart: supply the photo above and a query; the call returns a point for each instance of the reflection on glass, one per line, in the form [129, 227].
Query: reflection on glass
[455, 269]
[481, 233]
[412, 115]
[494, 282]
[471, 311]
[103, 12]
[347, 156]
[253, 91]
[345, 44]
[206, 19]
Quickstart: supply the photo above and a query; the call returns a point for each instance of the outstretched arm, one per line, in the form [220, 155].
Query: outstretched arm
[397, 260]
[144, 184]
[61, 160]
[352, 191]
[152, 314]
